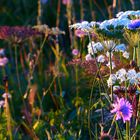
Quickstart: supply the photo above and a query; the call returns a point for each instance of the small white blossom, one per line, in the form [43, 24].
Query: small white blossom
[138, 76]
[84, 26]
[121, 75]
[94, 47]
[6, 94]
[116, 88]
[113, 65]
[131, 76]
[2, 52]
[109, 44]
[88, 57]
[126, 55]
[123, 15]
[112, 80]
[101, 59]
[108, 54]
[1, 103]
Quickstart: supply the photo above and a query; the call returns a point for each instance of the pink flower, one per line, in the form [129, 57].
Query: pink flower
[3, 61]
[65, 2]
[75, 52]
[1, 103]
[123, 109]
[6, 94]
[80, 33]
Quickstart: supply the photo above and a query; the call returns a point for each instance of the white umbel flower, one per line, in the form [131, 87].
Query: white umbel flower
[121, 75]
[94, 47]
[101, 59]
[84, 26]
[132, 76]
[113, 65]
[120, 48]
[112, 80]
[88, 57]
[126, 55]
[109, 44]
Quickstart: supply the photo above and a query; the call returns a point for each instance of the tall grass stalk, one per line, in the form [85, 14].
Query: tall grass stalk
[7, 112]
[110, 61]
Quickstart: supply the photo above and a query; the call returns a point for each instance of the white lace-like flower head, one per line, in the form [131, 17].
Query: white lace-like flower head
[101, 59]
[112, 80]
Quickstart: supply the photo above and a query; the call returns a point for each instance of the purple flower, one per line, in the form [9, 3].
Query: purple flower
[134, 24]
[75, 52]
[123, 109]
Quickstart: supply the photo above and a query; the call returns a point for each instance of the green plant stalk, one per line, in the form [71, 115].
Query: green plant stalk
[110, 61]
[39, 12]
[32, 70]
[7, 113]
[138, 114]
[102, 112]
[8, 117]
[90, 100]
[134, 54]
[114, 119]
[119, 133]
[76, 79]
[127, 130]
[17, 73]
[138, 54]
[81, 10]
[97, 64]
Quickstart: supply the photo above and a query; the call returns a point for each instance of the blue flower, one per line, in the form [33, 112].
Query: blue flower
[44, 1]
[134, 24]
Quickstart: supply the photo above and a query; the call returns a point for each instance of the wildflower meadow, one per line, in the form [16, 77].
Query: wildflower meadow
[69, 70]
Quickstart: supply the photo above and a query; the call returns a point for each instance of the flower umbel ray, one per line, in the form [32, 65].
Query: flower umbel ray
[123, 109]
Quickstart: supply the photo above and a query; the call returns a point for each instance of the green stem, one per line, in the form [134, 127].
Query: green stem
[102, 112]
[17, 72]
[127, 130]
[138, 54]
[114, 118]
[138, 114]
[110, 61]
[100, 75]
[32, 70]
[76, 79]
[134, 53]
[90, 101]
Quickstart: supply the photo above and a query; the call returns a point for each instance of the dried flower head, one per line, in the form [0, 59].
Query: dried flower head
[17, 34]
[48, 31]
[105, 136]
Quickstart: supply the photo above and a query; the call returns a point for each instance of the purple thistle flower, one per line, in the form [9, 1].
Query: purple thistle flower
[134, 24]
[123, 109]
